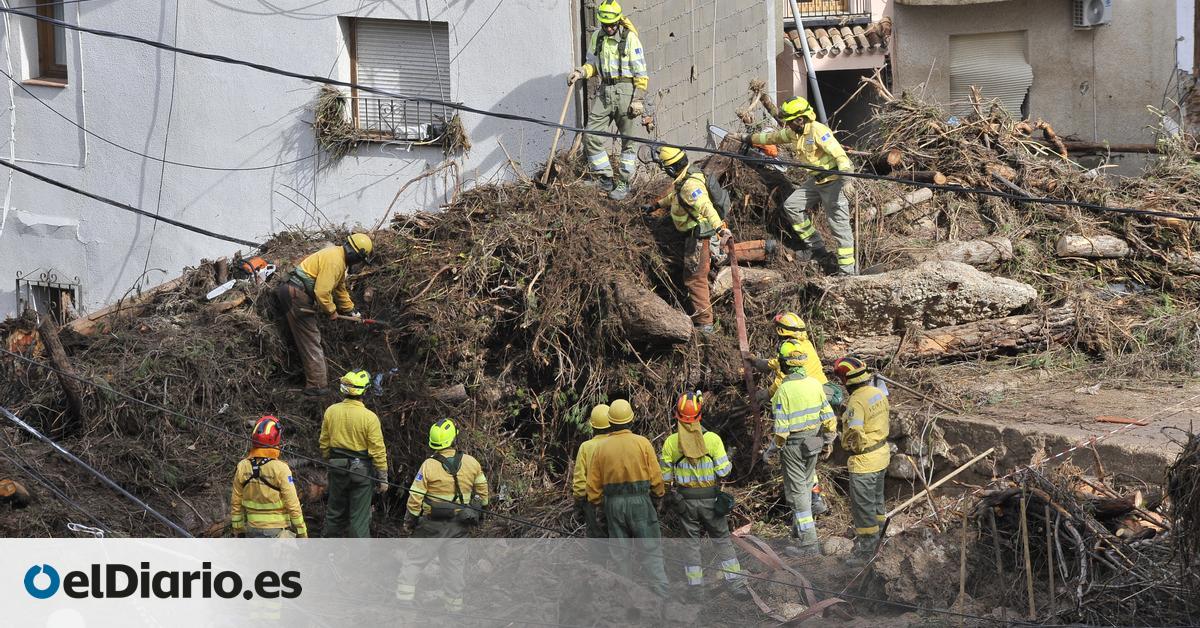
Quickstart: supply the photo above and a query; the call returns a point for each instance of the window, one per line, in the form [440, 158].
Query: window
[45, 294]
[52, 42]
[997, 65]
[410, 57]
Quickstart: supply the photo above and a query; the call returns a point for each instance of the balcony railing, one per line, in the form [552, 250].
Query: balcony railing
[824, 12]
[406, 120]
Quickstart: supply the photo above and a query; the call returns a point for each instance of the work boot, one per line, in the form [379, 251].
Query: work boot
[846, 271]
[605, 183]
[619, 191]
[694, 593]
[740, 592]
[316, 392]
[818, 504]
[811, 551]
[856, 560]
[771, 248]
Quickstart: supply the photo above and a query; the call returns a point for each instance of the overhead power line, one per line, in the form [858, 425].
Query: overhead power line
[554, 125]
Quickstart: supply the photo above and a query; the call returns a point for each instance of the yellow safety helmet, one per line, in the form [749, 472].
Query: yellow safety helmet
[620, 412]
[354, 383]
[609, 12]
[851, 370]
[599, 418]
[791, 357]
[790, 325]
[441, 434]
[360, 245]
[795, 108]
[672, 160]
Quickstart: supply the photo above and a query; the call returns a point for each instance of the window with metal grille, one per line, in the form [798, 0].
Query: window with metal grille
[44, 293]
[408, 57]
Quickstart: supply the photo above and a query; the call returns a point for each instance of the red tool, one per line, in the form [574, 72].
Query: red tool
[744, 348]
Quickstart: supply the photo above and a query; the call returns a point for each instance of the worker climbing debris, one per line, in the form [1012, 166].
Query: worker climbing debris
[352, 441]
[592, 516]
[622, 478]
[694, 213]
[864, 429]
[317, 287]
[814, 145]
[805, 428]
[264, 503]
[693, 460]
[446, 499]
[615, 54]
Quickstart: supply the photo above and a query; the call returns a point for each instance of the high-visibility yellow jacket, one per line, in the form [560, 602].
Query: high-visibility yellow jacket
[800, 406]
[433, 483]
[582, 459]
[349, 425]
[865, 430]
[816, 146]
[268, 501]
[618, 57]
[623, 458]
[812, 365]
[694, 473]
[324, 274]
[691, 206]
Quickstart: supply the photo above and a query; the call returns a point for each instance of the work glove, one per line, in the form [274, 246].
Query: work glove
[238, 534]
[762, 395]
[410, 522]
[769, 453]
[383, 486]
[332, 315]
[637, 107]
[649, 208]
[580, 503]
[575, 75]
[725, 236]
[827, 451]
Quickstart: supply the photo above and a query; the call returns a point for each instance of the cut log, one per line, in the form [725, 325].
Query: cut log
[923, 176]
[97, 322]
[1095, 247]
[13, 492]
[221, 269]
[984, 252]
[914, 197]
[65, 372]
[1002, 336]
[753, 280]
[221, 307]
[648, 319]
[1093, 148]
[451, 394]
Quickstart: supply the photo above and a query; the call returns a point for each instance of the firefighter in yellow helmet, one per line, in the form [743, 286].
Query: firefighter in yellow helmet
[317, 287]
[352, 441]
[694, 461]
[865, 425]
[264, 501]
[693, 213]
[445, 500]
[598, 421]
[615, 55]
[805, 428]
[623, 479]
[814, 145]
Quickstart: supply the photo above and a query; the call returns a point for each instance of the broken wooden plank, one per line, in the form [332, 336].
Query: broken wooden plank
[96, 322]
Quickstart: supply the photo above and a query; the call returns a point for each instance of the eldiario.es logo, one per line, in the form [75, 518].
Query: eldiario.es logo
[123, 581]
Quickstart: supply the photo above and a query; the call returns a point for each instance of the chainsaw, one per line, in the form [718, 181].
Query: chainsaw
[720, 134]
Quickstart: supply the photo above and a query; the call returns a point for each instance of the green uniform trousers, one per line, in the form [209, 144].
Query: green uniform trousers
[596, 529]
[799, 459]
[632, 518]
[837, 212]
[611, 106]
[348, 509]
[867, 509]
[445, 545]
[697, 517]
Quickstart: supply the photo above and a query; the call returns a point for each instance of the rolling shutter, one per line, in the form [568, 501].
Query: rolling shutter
[405, 57]
[993, 62]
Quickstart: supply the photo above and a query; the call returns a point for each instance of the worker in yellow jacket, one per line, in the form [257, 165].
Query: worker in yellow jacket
[352, 441]
[446, 498]
[615, 54]
[814, 145]
[805, 428]
[693, 460]
[598, 421]
[264, 501]
[693, 213]
[865, 425]
[317, 287]
[622, 479]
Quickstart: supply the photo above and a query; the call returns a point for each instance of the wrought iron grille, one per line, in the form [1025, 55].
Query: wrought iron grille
[44, 293]
[392, 119]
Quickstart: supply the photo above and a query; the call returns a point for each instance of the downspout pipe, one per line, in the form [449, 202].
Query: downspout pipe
[808, 65]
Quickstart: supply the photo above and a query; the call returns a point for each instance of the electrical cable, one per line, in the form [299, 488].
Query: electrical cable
[565, 127]
[99, 476]
[44, 481]
[129, 208]
[162, 171]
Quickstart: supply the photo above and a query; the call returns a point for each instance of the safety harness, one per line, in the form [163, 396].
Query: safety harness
[439, 510]
[621, 60]
[256, 465]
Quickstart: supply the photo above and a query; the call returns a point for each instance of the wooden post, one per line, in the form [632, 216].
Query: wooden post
[58, 357]
[940, 482]
[1025, 551]
[929, 496]
[1049, 562]
[962, 561]
[999, 558]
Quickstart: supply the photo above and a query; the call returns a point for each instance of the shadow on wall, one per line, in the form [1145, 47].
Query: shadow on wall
[528, 143]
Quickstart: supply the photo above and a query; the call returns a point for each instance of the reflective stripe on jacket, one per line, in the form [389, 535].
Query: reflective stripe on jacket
[351, 426]
[694, 473]
[434, 483]
[865, 425]
[326, 270]
[623, 458]
[691, 206]
[258, 505]
[582, 460]
[800, 406]
[619, 57]
[816, 146]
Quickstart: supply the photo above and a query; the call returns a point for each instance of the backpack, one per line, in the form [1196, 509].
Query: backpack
[716, 193]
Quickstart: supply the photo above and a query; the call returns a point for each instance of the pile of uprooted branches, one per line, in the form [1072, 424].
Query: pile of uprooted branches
[1183, 489]
[1085, 550]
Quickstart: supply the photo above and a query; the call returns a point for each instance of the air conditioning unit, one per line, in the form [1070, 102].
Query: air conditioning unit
[1091, 13]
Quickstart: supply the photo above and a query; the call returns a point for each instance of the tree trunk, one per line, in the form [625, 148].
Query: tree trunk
[66, 373]
[1095, 247]
[915, 197]
[647, 318]
[977, 253]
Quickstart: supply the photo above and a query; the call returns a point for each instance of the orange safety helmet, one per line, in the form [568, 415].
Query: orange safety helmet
[689, 407]
[267, 432]
[851, 370]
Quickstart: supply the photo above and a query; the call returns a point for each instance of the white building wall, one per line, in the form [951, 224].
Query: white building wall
[514, 60]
